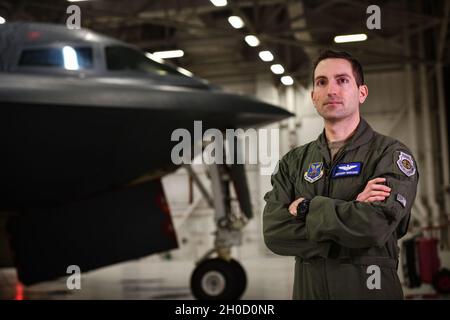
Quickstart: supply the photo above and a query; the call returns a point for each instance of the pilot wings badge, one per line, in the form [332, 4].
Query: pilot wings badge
[346, 170]
[315, 172]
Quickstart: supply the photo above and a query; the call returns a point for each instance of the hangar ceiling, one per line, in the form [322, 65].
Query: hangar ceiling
[293, 30]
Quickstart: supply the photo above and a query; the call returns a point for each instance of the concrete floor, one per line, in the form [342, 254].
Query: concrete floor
[153, 278]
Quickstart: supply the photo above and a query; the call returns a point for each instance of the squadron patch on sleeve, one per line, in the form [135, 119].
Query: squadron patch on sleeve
[406, 164]
[401, 199]
[314, 173]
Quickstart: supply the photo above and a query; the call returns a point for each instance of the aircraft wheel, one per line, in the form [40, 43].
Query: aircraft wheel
[218, 279]
[240, 276]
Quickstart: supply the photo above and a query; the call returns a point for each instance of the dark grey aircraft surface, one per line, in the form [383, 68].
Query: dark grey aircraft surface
[82, 116]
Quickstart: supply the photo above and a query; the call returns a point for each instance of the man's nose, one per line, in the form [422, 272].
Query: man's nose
[332, 89]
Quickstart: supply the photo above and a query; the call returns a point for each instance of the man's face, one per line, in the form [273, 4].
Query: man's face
[336, 95]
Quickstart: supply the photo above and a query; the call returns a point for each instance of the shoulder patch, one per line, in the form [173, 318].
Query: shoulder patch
[405, 163]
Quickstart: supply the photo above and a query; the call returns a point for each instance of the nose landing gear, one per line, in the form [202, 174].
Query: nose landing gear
[223, 278]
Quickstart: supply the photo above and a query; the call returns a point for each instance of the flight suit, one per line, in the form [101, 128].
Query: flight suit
[346, 249]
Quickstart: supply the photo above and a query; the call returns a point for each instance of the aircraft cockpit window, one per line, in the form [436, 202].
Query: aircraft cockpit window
[70, 58]
[120, 58]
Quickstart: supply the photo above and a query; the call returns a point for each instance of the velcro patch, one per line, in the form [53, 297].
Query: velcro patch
[346, 169]
[314, 173]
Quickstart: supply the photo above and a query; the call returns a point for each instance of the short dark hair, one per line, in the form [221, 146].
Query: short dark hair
[356, 66]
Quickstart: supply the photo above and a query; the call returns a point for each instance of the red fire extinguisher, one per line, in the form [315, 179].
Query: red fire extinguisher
[428, 258]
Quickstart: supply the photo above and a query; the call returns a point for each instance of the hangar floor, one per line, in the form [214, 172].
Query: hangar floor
[156, 277]
[153, 278]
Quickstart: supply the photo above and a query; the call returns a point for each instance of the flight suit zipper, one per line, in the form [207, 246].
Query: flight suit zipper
[331, 168]
[335, 249]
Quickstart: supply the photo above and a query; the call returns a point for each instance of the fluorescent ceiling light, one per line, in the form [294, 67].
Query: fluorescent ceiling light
[236, 22]
[168, 54]
[350, 38]
[2, 20]
[219, 3]
[70, 58]
[252, 41]
[76, 0]
[185, 72]
[277, 68]
[287, 80]
[152, 57]
[266, 55]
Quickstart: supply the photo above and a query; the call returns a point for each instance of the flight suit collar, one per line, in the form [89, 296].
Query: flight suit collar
[363, 135]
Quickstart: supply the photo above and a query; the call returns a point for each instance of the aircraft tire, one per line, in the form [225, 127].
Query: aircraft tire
[218, 279]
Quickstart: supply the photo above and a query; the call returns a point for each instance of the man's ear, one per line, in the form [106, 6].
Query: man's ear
[312, 96]
[363, 93]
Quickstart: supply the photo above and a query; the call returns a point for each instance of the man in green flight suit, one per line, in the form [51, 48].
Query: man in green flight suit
[340, 203]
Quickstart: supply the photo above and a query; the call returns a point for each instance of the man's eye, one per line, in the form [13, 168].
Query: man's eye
[320, 82]
[343, 80]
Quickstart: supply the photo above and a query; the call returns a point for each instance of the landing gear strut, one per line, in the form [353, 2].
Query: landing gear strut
[222, 277]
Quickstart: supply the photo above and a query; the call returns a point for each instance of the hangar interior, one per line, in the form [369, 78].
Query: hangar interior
[406, 65]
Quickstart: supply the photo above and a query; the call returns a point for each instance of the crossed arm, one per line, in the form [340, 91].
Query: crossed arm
[375, 190]
[367, 221]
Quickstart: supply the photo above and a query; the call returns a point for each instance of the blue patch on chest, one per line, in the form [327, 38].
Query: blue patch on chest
[314, 173]
[346, 170]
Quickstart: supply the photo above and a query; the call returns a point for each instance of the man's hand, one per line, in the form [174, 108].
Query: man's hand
[293, 206]
[374, 191]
